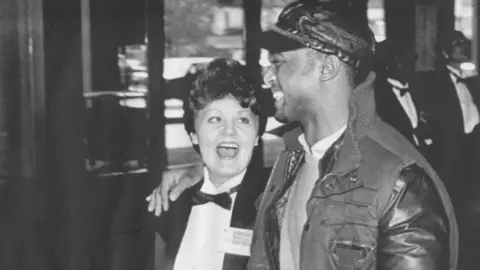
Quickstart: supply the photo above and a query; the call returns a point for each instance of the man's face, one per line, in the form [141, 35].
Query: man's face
[460, 51]
[293, 81]
[402, 69]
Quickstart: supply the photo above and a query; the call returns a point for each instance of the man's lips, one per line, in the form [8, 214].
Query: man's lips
[277, 95]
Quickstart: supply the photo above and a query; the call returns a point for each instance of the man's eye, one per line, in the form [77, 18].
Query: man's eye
[276, 62]
[244, 120]
[214, 119]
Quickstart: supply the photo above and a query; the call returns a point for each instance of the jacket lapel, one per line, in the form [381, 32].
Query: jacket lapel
[175, 221]
[244, 210]
[391, 111]
[451, 99]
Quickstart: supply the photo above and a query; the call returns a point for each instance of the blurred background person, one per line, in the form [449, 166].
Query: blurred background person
[398, 98]
[453, 105]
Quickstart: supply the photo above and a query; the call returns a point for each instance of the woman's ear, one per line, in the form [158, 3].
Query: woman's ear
[193, 138]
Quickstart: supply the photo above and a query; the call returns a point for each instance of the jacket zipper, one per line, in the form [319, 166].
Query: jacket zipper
[271, 257]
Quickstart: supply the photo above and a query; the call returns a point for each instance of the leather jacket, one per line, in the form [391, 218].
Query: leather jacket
[379, 205]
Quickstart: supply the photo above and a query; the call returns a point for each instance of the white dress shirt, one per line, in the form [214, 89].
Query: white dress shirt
[469, 109]
[319, 148]
[295, 214]
[407, 103]
[199, 249]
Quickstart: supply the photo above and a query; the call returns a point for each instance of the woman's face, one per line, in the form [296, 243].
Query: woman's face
[226, 134]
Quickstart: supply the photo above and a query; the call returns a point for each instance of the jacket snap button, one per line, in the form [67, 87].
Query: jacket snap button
[329, 186]
[353, 179]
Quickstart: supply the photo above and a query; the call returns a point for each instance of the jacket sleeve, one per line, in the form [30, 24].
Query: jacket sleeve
[413, 229]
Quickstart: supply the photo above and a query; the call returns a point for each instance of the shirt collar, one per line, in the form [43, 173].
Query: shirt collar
[209, 187]
[454, 73]
[397, 84]
[319, 148]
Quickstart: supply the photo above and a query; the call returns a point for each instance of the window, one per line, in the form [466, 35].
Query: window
[376, 19]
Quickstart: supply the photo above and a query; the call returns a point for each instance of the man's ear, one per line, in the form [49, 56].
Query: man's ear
[329, 67]
[193, 138]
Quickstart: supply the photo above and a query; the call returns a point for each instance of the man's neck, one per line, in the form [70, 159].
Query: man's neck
[330, 112]
[323, 126]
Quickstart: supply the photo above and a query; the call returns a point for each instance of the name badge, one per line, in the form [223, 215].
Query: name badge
[236, 241]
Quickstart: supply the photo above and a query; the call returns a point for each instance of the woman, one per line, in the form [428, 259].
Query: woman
[209, 226]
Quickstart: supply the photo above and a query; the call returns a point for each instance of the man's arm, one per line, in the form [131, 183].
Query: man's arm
[174, 183]
[413, 229]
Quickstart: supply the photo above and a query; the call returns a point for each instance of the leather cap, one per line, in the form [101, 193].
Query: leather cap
[330, 27]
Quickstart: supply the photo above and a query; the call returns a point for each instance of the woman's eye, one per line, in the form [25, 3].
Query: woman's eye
[214, 119]
[244, 120]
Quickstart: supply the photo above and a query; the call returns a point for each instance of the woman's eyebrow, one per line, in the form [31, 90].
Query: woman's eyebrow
[211, 109]
[245, 112]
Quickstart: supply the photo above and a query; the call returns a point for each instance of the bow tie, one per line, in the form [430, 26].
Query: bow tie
[403, 91]
[222, 199]
[459, 79]
[403, 88]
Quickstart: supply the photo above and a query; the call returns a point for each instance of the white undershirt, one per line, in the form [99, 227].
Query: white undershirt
[199, 247]
[319, 148]
[469, 109]
[295, 209]
[407, 103]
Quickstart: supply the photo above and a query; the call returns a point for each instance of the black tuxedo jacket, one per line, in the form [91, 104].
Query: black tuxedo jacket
[391, 111]
[444, 100]
[172, 224]
[452, 150]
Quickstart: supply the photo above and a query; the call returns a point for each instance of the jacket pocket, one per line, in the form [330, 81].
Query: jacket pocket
[348, 255]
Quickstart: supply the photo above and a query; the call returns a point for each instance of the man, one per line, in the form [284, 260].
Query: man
[455, 108]
[348, 192]
[455, 117]
[398, 98]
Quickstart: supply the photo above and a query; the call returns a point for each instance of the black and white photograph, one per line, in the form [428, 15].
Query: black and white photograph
[239, 134]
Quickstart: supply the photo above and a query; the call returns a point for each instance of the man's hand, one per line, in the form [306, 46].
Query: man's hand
[174, 183]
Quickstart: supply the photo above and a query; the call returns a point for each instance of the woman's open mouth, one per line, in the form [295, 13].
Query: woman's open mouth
[228, 150]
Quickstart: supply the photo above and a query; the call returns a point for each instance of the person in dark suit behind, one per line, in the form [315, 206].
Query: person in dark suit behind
[398, 99]
[209, 227]
[454, 98]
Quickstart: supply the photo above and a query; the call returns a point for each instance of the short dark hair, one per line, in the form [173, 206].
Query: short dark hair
[356, 75]
[219, 79]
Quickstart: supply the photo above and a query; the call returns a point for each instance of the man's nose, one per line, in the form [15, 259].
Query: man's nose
[269, 77]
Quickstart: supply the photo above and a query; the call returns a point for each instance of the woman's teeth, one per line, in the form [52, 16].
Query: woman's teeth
[278, 95]
[227, 150]
[228, 144]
